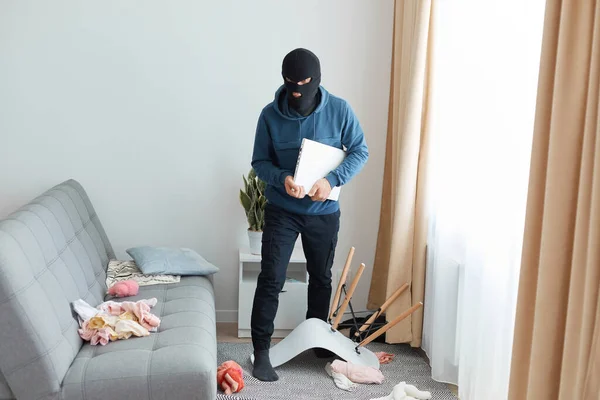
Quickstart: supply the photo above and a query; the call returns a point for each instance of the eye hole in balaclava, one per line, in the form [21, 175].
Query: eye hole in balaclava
[298, 65]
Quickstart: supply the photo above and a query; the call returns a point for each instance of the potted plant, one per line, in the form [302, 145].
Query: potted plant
[254, 201]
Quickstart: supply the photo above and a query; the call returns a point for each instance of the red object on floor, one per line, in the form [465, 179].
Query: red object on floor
[384, 357]
[230, 377]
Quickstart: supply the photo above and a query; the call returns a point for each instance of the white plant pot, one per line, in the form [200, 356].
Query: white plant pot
[255, 239]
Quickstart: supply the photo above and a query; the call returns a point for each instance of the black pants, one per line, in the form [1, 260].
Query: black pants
[319, 235]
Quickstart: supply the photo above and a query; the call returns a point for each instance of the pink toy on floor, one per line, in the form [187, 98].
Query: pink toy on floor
[230, 377]
[357, 373]
[124, 289]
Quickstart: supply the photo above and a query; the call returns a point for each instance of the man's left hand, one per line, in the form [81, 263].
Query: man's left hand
[320, 190]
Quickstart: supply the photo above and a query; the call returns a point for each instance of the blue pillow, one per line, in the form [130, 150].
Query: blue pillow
[170, 261]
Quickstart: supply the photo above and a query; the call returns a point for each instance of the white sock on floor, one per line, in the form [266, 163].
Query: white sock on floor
[414, 392]
[402, 391]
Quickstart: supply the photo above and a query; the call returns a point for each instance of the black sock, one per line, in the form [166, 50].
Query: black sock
[262, 367]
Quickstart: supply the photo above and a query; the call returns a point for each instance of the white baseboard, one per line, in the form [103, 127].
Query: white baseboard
[227, 315]
[277, 333]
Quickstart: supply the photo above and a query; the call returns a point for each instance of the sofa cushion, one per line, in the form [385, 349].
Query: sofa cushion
[5, 392]
[53, 251]
[174, 261]
[177, 362]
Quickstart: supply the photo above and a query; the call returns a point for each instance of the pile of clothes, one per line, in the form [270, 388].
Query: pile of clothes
[112, 320]
[346, 376]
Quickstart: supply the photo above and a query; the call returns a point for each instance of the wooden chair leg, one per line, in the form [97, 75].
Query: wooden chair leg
[348, 297]
[383, 307]
[338, 292]
[390, 324]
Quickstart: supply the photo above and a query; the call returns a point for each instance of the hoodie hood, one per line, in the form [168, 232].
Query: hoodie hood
[280, 104]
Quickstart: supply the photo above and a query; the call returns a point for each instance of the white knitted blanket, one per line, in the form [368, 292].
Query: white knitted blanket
[123, 270]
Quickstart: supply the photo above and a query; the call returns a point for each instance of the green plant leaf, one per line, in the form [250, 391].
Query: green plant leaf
[260, 216]
[262, 186]
[257, 220]
[262, 201]
[252, 221]
[253, 200]
[246, 201]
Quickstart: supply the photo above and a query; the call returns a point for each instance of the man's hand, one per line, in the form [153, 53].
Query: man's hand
[320, 190]
[292, 189]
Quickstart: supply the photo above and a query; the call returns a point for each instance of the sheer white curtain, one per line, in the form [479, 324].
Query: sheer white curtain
[483, 92]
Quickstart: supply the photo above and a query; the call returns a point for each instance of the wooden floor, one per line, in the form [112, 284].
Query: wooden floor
[227, 333]
[453, 389]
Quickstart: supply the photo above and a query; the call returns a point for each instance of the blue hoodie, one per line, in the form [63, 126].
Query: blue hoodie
[279, 134]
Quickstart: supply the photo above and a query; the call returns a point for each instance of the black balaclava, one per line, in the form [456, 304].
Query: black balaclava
[297, 66]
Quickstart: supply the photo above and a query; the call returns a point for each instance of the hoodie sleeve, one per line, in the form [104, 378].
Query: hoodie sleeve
[262, 157]
[357, 152]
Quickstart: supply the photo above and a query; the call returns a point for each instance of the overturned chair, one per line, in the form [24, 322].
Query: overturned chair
[316, 333]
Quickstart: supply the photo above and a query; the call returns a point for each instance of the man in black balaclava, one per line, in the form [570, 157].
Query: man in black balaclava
[301, 109]
[301, 72]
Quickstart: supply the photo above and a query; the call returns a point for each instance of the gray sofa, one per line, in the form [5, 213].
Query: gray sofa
[53, 251]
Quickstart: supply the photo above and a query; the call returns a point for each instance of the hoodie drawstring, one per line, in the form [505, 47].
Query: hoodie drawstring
[314, 137]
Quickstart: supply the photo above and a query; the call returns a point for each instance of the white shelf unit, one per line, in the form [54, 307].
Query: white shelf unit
[292, 299]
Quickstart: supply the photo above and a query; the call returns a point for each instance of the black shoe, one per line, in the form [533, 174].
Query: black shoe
[263, 370]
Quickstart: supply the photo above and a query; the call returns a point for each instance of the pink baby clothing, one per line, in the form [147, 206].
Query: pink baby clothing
[124, 329]
[116, 307]
[141, 310]
[84, 310]
[113, 321]
[102, 336]
[357, 373]
[340, 380]
[95, 336]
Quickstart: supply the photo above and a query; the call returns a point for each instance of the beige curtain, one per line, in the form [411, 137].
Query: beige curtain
[400, 254]
[556, 351]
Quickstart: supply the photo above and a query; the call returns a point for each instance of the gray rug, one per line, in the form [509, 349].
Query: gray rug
[304, 377]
